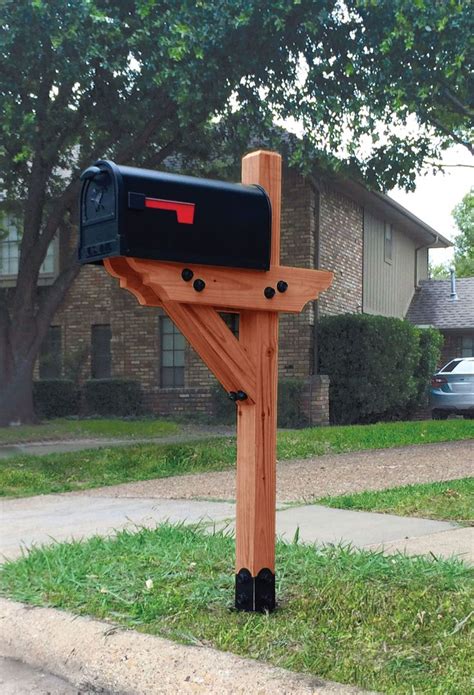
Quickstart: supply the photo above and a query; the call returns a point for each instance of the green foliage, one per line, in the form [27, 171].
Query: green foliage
[290, 409]
[439, 271]
[386, 624]
[371, 363]
[113, 397]
[430, 342]
[452, 500]
[223, 410]
[464, 243]
[56, 398]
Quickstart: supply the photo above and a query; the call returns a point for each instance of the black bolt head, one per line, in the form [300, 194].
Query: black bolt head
[282, 286]
[187, 274]
[269, 292]
[241, 396]
[199, 285]
[233, 396]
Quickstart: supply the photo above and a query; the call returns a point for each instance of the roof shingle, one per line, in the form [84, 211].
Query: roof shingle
[432, 305]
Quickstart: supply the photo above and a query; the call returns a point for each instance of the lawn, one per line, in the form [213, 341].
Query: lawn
[29, 475]
[391, 624]
[69, 428]
[452, 500]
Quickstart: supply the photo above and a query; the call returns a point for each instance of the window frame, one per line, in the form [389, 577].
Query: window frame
[388, 243]
[176, 370]
[44, 278]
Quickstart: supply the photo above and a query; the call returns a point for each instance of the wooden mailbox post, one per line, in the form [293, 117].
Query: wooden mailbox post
[247, 366]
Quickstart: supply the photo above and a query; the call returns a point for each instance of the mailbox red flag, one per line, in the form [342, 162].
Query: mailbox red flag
[184, 211]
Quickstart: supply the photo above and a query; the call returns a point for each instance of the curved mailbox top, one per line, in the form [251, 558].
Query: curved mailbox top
[127, 211]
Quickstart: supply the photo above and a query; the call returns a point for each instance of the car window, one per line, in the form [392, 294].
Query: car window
[464, 367]
[450, 366]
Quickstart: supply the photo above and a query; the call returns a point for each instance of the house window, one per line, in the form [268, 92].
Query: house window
[388, 242]
[101, 356]
[467, 346]
[232, 321]
[172, 355]
[10, 240]
[50, 356]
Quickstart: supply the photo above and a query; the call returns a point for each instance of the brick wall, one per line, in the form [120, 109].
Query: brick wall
[341, 250]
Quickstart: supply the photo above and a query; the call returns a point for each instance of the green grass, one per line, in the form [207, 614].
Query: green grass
[25, 475]
[452, 500]
[391, 624]
[30, 475]
[65, 428]
[335, 440]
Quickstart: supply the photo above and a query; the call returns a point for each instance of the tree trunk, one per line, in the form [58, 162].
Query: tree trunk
[16, 396]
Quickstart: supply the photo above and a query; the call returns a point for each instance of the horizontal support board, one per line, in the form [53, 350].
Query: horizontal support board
[231, 287]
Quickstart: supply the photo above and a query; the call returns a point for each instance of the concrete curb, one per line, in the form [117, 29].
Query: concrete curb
[98, 657]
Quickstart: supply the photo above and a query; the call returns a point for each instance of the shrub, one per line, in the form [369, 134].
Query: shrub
[121, 397]
[290, 403]
[290, 413]
[55, 398]
[431, 342]
[371, 362]
[223, 410]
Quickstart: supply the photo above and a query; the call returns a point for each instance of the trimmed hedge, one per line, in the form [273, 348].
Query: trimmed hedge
[290, 413]
[121, 397]
[378, 366]
[431, 343]
[56, 398]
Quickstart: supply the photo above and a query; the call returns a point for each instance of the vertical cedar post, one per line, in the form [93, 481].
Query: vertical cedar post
[257, 424]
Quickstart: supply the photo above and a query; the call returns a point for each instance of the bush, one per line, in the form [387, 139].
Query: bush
[223, 409]
[431, 342]
[290, 412]
[372, 362]
[121, 397]
[290, 403]
[55, 398]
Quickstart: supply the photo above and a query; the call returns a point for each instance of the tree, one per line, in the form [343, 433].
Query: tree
[463, 263]
[139, 81]
[464, 242]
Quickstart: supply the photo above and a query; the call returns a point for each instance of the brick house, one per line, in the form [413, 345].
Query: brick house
[450, 309]
[376, 248]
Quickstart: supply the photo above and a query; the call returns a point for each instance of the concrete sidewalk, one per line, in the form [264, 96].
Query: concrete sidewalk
[37, 520]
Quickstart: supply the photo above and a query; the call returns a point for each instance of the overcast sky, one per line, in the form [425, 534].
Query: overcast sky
[436, 196]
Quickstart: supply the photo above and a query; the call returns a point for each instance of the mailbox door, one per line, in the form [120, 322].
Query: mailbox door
[101, 212]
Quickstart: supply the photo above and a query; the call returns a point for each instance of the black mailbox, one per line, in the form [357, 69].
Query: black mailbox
[126, 211]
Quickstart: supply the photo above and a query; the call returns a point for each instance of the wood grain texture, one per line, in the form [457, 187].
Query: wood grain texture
[202, 326]
[119, 267]
[256, 423]
[239, 288]
[264, 169]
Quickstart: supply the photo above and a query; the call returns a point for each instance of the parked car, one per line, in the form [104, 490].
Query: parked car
[452, 389]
